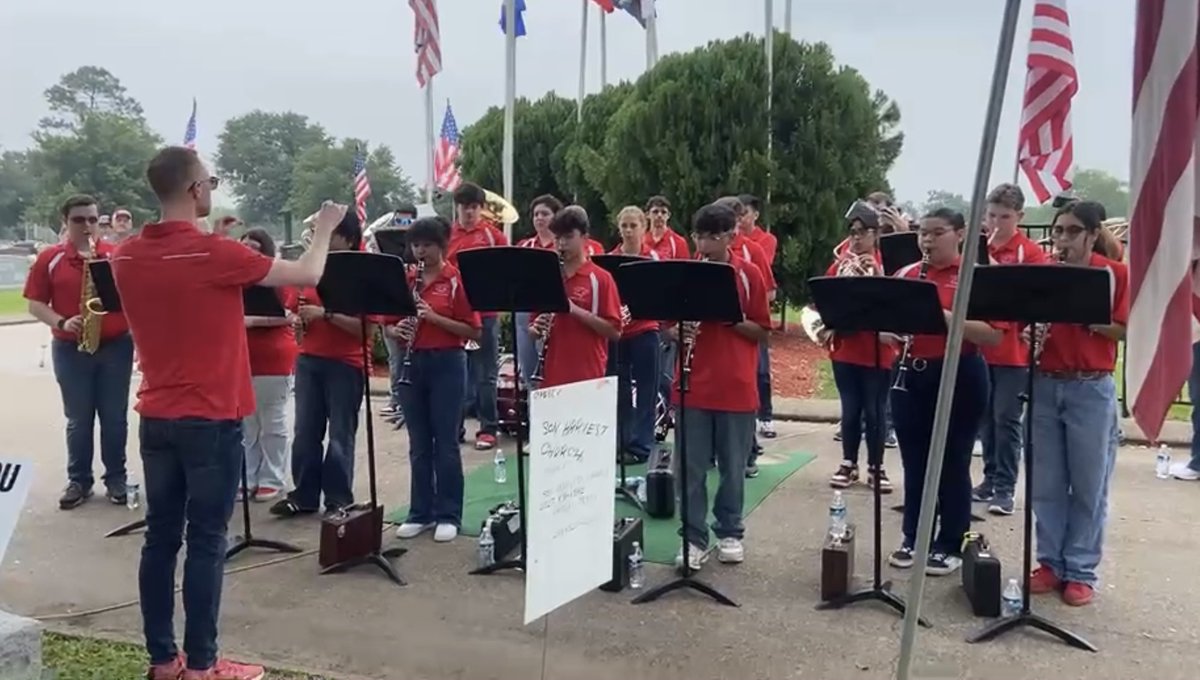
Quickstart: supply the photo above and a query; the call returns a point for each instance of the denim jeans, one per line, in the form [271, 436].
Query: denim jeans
[527, 347]
[1074, 449]
[726, 438]
[95, 386]
[635, 362]
[1194, 397]
[192, 469]
[765, 411]
[395, 360]
[328, 391]
[265, 432]
[1000, 431]
[482, 366]
[863, 391]
[431, 404]
[913, 411]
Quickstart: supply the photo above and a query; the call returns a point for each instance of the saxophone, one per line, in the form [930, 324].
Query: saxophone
[412, 322]
[539, 370]
[90, 308]
[901, 384]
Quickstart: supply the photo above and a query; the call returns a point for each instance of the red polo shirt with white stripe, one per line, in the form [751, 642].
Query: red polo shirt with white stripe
[1020, 249]
[639, 326]
[670, 246]
[56, 279]
[574, 351]
[1073, 347]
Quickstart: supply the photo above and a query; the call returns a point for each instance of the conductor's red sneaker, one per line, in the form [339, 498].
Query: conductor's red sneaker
[166, 671]
[1043, 581]
[1078, 594]
[227, 670]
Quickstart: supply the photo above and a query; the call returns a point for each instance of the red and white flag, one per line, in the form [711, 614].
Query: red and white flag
[427, 39]
[1163, 226]
[1046, 147]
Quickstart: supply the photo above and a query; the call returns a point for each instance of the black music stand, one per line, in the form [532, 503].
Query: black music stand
[610, 264]
[365, 284]
[899, 250]
[257, 301]
[514, 279]
[394, 241]
[1029, 294]
[877, 304]
[682, 291]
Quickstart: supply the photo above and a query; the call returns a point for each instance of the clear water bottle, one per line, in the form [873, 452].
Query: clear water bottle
[837, 516]
[133, 494]
[1162, 463]
[1010, 600]
[487, 547]
[500, 474]
[640, 483]
[637, 568]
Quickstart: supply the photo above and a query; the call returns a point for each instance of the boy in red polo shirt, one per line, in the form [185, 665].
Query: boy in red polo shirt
[722, 398]
[669, 245]
[766, 241]
[181, 291]
[92, 385]
[577, 346]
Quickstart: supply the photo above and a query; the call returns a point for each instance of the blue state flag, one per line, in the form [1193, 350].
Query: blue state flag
[520, 28]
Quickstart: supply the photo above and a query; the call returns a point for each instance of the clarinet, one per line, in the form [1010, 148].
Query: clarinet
[406, 367]
[299, 332]
[538, 371]
[1041, 330]
[691, 329]
[901, 384]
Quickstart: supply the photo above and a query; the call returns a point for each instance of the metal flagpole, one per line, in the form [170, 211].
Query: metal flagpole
[651, 35]
[787, 17]
[583, 41]
[510, 96]
[941, 418]
[769, 41]
[429, 141]
[603, 50]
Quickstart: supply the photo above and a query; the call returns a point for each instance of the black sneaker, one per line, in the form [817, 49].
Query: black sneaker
[116, 495]
[941, 564]
[902, 558]
[885, 484]
[983, 493]
[846, 475]
[890, 442]
[1002, 504]
[751, 470]
[74, 496]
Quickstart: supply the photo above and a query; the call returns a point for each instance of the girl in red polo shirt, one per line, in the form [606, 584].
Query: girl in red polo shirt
[1075, 422]
[543, 209]
[436, 384]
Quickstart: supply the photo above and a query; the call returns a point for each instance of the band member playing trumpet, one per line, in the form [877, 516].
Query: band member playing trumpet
[576, 342]
[92, 353]
[722, 397]
[914, 401]
[1075, 422]
[434, 382]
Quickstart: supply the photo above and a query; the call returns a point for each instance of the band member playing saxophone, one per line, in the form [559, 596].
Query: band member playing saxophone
[435, 382]
[92, 377]
[722, 397]
[914, 402]
[1075, 422]
[576, 342]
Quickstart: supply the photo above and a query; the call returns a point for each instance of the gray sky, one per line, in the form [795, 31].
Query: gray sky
[349, 65]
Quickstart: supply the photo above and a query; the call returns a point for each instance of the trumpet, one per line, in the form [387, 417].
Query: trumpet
[1041, 330]
[539, 370]
[413, 323]
[901, 384]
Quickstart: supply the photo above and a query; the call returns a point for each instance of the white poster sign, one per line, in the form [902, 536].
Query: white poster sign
[572, 462]
[16, 476]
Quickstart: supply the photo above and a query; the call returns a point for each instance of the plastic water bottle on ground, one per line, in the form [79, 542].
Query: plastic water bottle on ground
[837, 517]
[133, 494]
[1162, 463]
[501, 467]
[637, 568]
[1010, 600]
[487, 547]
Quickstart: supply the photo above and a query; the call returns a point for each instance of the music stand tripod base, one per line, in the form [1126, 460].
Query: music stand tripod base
[1033, 621]
[379, 558]
[881, 593]
[126, 529]
[624, 494]
[517, 563]
[685, 581]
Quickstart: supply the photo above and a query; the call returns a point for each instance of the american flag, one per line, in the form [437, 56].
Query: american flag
[1047, 148]
[427, 39]
[362, 186]
[638, 9]
[445, 170]
[189, 136]
[1163, 228]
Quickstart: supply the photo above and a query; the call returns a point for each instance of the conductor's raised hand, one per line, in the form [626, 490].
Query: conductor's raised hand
[329, 216]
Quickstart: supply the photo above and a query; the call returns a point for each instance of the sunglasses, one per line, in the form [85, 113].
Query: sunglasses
[80, 219]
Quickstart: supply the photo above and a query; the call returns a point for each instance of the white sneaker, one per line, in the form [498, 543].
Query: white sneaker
[697, 556]
[412, 529]
[731, 551]
[445, 533]
[1182, 471]
[977, 449]
[766, 429]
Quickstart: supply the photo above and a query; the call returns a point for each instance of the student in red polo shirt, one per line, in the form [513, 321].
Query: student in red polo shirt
[722, 397]
[181, 291]
[1000, 431]
[669, 245]
[543, 209]
[577, 341]
[940, 235]
[272, 346]
[766, 241]
[472, 231]
[1075, 422]
[437, 378]
[93, 386]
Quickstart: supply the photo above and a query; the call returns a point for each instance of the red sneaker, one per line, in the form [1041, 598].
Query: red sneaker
[1078, 594]
[167, 671]
[1043, 581]
[485, 441]
[225, 669]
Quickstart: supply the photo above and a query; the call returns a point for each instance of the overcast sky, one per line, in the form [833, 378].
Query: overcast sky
[349, 65]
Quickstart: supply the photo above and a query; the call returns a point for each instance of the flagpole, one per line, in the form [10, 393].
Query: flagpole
[430, 180]
[583, 41]
[770, 47]
[603, 50]
[787, 17]
[510, 96]
[651, 37]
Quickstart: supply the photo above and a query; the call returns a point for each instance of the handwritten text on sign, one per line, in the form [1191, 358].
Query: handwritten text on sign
[16, 476]
[572, 462]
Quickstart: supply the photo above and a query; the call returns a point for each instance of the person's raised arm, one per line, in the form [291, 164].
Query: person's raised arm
[307, 269]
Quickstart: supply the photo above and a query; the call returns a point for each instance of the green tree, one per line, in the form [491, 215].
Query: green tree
[85, 91]
[18, 187]
[946, 199]
[257, 155]
[1093, 185]
[325, 172]
[583, 169]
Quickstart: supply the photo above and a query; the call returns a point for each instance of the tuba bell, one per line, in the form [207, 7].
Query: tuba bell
[498, 210]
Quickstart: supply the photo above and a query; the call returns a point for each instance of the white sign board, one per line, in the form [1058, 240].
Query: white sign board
[572, 462]
[16, 476]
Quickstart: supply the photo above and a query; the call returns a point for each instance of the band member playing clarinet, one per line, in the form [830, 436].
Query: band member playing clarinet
[92, 354]
[914, 399]
[543, 209]
[1075, 422]
[432, 383]
[575, 343]
[722, 397]
[669, 245]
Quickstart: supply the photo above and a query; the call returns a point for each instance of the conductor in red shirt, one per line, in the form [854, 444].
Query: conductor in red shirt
[181, 290]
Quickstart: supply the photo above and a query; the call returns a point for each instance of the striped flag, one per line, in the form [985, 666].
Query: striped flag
[638, 9]
[606, 5]
[519, 10]
[362, 186]
[445, 155]
[189, 135]
[427, 39]
[1164, 222]
[1046, 146]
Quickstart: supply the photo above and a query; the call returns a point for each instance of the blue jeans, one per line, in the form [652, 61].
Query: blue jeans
[328, 391]
[431, 405]
[395, 360]
[95, 386]
[1194, 397]
[192, 469]
[1074, 449]
[726, 438]
[913, 411]
[1000, 431]
[482, 366]
[765, 411]
[527, 347]
[635, 361]
[863, 391]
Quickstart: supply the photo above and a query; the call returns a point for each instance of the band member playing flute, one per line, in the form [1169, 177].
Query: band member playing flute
[722, 397]
[1075, 422]
[913, 408]
[93, 379]
[543, 209]
[434, 378]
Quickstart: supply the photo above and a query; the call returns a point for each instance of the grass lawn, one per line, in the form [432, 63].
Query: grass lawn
[75, 658]
[11, 303]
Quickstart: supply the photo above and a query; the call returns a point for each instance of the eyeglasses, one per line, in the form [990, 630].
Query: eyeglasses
[81, 219]
[859, 232]
[213, 182]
